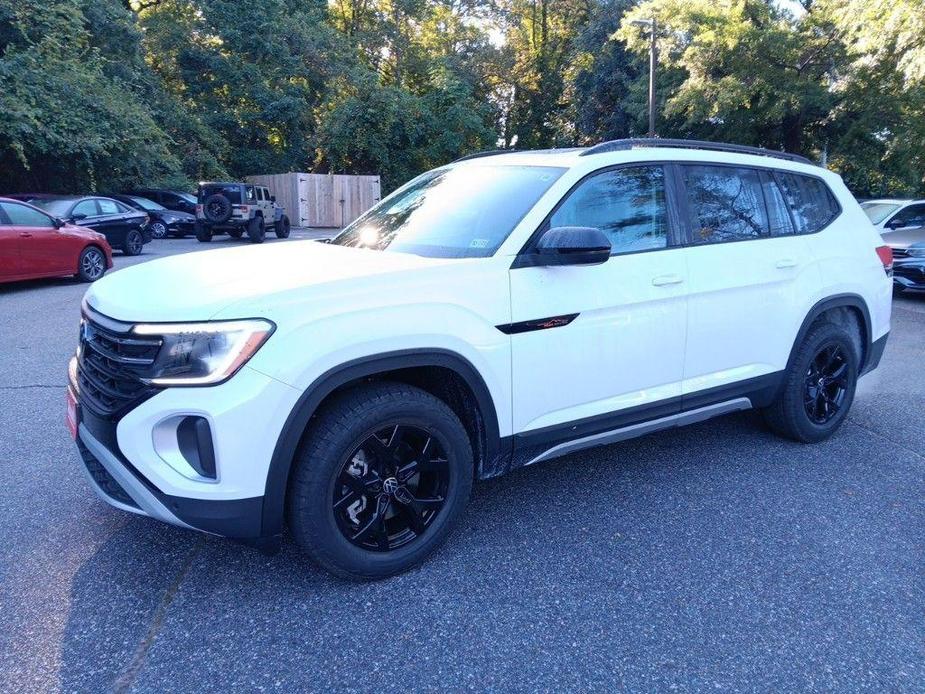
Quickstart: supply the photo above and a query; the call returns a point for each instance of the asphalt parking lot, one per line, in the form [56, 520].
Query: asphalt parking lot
[711, 558]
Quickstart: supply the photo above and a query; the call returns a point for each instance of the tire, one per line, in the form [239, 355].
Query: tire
[158, 230]
[217, 208]
[236, 233]
[134, 243]
[339, 440]
[282, 228]
[256, 230]
[91, 264]
[203, 233]
[790, 414]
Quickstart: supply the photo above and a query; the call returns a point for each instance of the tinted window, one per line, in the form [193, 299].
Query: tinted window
[878, 211]
[87, 207]
[458, 212]
[779, 220]
[626, 204]
[58, 208]
[232, 192]
[109, 207]
[146, 204]
[725, 204]
[912, 216]
[811, 202]
[22, 216]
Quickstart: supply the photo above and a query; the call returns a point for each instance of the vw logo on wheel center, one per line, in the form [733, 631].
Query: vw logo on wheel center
[390, 486]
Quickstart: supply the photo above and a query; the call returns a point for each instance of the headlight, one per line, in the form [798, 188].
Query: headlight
[200, 354]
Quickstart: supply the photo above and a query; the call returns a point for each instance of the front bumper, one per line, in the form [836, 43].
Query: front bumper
[128, 469]
[909, 274]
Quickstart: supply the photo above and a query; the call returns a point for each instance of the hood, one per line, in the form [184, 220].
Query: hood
[236, 281]
[174, 215]
[905, 238]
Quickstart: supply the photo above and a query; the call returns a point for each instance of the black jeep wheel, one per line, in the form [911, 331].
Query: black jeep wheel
[283, 227]
[203, 232]
[381, 481]
[819, 386]
[217, 208]
[134, 243]
[256, 230]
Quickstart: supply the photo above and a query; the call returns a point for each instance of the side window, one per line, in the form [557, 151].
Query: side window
[87, 207]
[725, 204]
[912, 216]
[778, 214]
[627, 204]
[251, 194]
[811, 202]
[22, 216]
[109, 206]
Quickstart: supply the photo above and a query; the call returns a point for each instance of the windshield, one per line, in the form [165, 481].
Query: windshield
[54, 207]
[878, 211]
[146, 204]
[463, 212]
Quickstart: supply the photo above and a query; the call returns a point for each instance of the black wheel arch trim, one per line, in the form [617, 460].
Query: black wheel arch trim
[293, 429]
[838, 301]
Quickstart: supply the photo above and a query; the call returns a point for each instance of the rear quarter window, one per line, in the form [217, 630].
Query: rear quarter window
[812, 205]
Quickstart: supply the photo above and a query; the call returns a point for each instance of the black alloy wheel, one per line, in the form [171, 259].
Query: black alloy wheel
[134, 243]
[826, 384]
[391, 488]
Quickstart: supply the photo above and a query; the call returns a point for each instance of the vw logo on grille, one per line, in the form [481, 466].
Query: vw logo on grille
[390, 486]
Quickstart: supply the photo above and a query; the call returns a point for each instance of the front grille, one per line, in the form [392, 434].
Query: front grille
[103, 479]
[111, 366]
[900, 253]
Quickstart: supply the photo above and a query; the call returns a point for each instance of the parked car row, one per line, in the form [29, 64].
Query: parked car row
[901, 223]
[46, 235]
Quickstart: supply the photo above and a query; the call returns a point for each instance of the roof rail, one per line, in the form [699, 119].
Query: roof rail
[638, 142]
[486, 153]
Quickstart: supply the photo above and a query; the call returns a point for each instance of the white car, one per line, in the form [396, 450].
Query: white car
[894, 214]
[490, 314]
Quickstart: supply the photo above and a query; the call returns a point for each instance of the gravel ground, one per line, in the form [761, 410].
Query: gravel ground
[715, 557]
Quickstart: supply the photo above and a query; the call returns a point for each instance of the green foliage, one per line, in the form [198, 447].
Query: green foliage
[103, 94]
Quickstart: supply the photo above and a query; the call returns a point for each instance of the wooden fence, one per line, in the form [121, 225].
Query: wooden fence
[322, 200]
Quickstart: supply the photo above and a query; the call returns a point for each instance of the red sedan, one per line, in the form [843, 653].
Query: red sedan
[34, 244]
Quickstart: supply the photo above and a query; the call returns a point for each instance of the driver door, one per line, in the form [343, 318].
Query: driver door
[596, 348]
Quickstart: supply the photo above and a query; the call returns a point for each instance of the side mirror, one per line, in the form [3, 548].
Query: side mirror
[572, 246]
[272, 198]
[77, 217]
[58, 222]
[895, 223]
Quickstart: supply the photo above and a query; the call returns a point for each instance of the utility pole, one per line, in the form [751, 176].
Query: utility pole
[651, 25]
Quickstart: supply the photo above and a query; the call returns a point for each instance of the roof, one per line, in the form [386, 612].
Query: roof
[652, 147]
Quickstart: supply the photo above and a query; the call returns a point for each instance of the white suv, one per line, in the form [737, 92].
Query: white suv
[500, 311]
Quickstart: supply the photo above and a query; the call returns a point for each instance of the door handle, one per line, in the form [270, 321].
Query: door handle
[663, 280]
[25, 234]
[784, 263]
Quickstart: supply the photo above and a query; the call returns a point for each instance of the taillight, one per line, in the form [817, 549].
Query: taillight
[885, 253]
[241, 208]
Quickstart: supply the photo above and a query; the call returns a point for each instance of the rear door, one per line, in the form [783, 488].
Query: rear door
[597, 348]
[10, 260]
[43, 250]
[750, 275]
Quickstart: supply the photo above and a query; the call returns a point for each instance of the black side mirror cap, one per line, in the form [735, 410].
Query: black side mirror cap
[568, 246]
